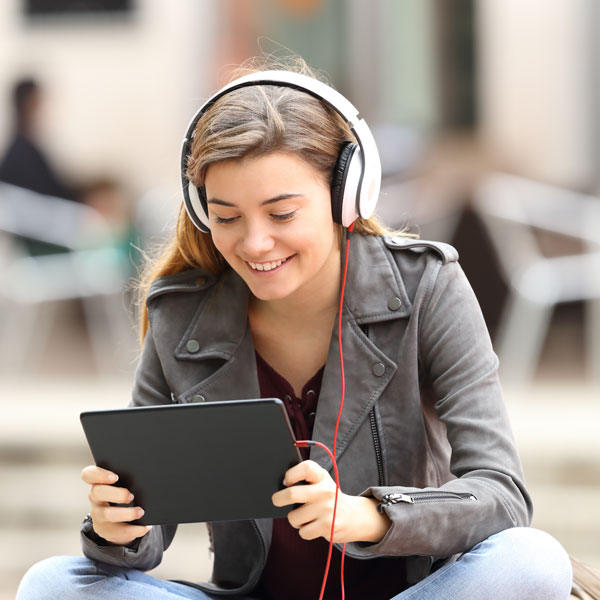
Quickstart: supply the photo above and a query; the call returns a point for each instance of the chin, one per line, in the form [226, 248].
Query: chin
[270, 292]
[266, 296]
[265, 290]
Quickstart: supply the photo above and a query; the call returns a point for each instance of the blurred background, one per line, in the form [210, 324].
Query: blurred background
[487, 117]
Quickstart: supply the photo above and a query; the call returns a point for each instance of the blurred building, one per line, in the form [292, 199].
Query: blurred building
[539, 88]
[123, 82]
[120, 84]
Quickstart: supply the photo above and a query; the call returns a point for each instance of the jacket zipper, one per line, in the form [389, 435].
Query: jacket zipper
[377, 443]
[263, 559]
[374, 429]
[424, 497]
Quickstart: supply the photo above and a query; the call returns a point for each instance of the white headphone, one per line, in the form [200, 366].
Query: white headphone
[357, 173]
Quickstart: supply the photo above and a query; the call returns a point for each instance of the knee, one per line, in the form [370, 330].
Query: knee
[51, 578]
[542, 564]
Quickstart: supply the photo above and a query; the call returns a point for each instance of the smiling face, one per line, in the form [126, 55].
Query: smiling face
[271, 220]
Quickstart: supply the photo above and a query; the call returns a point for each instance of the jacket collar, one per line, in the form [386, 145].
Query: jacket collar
[217, 336]
[374, 292]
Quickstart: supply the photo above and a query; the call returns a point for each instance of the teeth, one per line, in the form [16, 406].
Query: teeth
[265, 266]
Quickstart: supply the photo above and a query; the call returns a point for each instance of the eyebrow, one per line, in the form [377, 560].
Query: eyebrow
[263, 203]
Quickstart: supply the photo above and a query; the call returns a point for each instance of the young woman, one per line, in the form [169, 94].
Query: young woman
[244, 303]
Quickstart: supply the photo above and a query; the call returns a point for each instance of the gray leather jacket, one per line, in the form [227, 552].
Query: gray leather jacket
[424, 428]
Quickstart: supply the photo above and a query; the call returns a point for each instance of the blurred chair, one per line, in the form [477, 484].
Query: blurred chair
[515, 211]
[90, 269]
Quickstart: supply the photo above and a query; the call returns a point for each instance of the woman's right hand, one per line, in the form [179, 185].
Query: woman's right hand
[110, 522]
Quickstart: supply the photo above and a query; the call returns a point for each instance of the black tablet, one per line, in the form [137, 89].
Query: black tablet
[184, 463]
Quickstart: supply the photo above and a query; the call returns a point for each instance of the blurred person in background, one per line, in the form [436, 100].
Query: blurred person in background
[24, 164]
[438, 508]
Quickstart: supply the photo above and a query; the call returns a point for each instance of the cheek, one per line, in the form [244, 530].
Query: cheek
[317, 231]
[222, 242]
[318, 242]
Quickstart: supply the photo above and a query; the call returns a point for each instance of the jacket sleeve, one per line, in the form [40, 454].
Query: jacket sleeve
[488, 494]
[146, 553]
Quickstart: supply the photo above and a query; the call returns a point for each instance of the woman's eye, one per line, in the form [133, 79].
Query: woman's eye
[285, 217]
[224, 220]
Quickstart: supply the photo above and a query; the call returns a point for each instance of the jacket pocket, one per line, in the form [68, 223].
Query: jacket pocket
[425, 497]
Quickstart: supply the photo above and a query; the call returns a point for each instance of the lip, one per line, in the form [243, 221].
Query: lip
[270, 271]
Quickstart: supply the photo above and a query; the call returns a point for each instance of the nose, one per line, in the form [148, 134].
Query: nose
[257, 240]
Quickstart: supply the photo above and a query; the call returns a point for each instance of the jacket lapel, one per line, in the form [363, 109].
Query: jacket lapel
[374, 293]
[220, 328]
[363, 388]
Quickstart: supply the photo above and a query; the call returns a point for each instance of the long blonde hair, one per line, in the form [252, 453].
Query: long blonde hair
[250, 122]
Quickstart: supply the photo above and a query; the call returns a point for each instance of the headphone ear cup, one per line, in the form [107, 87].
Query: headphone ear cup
[196, 206]
[203, 202]
[339, 182]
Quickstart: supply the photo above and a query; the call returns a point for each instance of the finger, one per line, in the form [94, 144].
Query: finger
[302, 516]
[118, 514]
[124, 534]
[136, 531]
[286, 497]
[108, 493]
[93, 474]
[307, 470]
[314, 530]
[280, 498]
[296, 494]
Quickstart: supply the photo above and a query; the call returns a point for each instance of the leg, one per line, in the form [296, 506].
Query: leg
[515, 564]
[78, 578]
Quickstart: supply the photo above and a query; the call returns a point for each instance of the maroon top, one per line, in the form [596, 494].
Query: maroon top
[295, 567]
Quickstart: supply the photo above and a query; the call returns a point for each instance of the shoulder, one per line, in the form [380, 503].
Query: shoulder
[172, 302]
[384, 267]
[405, 247]
[423, 265]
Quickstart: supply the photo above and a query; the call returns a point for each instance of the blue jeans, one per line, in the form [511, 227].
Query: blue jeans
[515, 564]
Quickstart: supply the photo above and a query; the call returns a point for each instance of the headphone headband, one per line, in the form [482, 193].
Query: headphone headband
[369, 179]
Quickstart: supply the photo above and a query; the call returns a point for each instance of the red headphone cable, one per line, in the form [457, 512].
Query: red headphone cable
[304, 444]
[332, 455]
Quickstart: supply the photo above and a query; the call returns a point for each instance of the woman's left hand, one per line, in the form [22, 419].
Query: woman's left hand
[357, 518]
